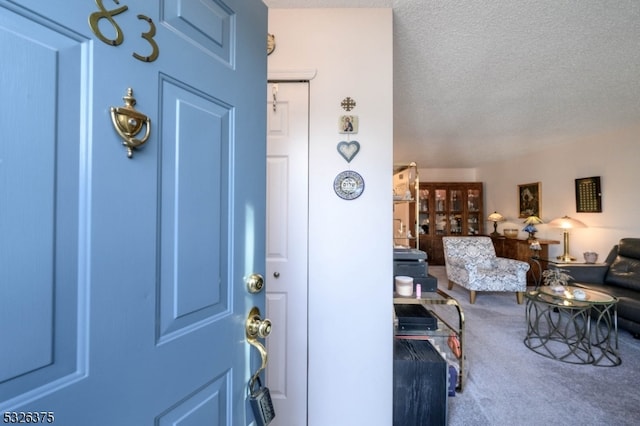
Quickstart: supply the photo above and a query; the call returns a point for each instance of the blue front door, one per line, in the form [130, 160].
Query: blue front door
[122, 280]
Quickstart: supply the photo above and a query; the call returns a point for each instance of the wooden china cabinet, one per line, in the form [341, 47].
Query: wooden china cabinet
[448, 208]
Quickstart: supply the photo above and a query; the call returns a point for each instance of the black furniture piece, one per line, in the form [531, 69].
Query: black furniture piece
[618, 276]
[420, 377]
[449, 337]
[413, 263]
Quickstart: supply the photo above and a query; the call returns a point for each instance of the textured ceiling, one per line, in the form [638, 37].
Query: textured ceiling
[480, 80]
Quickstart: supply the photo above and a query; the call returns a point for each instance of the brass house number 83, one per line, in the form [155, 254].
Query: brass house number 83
[104, 13]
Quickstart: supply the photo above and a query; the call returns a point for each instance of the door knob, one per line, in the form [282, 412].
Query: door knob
[255, 282]
[256, 326]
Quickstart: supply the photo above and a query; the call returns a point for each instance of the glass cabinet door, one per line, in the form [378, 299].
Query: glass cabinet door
[473, 211]
[473, 200]
[442, 220]
[441, 224]
[423, 219]
[441, 200]
[455, 211]
[455, 224]
[455, 202]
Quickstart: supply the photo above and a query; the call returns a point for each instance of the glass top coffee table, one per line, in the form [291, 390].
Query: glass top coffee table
[570, 328]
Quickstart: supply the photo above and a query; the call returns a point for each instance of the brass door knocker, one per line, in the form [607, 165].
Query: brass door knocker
[128, 123]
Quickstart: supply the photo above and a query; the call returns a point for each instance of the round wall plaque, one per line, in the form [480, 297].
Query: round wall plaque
[349, 185]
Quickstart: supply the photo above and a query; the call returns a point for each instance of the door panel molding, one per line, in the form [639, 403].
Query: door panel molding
[207, 405]
[193, 255]
[45, 204]
[208, 25]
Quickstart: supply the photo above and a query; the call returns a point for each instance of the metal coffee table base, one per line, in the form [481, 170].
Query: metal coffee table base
[578, 333]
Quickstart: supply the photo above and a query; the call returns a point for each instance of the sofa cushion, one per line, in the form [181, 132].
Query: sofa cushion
[625, 268]
[629, 247]
[624, 272]
[629, 308]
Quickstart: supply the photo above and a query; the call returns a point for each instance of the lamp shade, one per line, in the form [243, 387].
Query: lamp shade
[533, 220]
[566, 222]
[495, 217]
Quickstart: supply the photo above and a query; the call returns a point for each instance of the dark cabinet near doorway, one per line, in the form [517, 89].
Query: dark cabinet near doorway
[419, 384]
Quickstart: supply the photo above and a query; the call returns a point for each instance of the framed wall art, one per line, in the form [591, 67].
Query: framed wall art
[529, 196]
[348, 124]
[588, 195]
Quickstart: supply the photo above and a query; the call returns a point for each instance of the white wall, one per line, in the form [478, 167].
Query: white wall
[448, 175]
[350, 242]
[613, 156]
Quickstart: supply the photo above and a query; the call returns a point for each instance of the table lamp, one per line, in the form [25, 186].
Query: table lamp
[495, 217]
[566, 223]
[531, 223]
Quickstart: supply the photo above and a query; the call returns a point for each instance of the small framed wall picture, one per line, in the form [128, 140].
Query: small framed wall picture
[588, 195]
[529, 196]
[348, 124]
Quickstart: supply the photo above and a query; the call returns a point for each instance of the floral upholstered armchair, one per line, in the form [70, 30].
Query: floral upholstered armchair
[471, 262]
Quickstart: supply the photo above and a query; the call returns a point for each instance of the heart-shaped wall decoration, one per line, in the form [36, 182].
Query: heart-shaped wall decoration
[348, 150]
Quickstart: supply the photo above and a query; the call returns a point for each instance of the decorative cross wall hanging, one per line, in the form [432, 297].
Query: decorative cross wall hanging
[348, 104]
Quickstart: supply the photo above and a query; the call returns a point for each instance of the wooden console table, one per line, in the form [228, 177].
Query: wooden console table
[514, 248]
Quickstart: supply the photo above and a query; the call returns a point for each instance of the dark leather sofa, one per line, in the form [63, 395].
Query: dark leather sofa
[619, 276]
